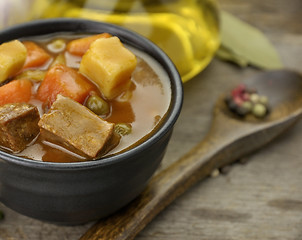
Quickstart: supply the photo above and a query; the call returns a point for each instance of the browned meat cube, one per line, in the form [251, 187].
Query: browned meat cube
[18, 125]
[70, 124]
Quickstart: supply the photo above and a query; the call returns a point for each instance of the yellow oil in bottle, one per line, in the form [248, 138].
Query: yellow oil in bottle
[187, 30]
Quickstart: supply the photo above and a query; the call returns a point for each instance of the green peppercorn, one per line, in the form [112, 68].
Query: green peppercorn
[98, 105]
[123, 128]
[259, 110]
[263, 100]
[254, 97]
[247, 105]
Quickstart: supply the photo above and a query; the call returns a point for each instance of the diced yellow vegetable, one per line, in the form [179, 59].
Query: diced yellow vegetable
[110, 65]
[12, 58]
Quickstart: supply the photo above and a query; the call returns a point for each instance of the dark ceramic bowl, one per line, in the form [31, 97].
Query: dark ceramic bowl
[74, 193]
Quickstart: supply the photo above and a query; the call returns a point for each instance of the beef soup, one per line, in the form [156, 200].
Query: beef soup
[69, 98]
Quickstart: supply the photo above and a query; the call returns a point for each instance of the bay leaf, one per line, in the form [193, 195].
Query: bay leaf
[244, 44]
[225, 54]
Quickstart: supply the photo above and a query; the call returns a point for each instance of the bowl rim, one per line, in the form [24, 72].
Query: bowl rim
[132, 38]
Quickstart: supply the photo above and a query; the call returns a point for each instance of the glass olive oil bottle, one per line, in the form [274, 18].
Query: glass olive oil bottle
[187, 30]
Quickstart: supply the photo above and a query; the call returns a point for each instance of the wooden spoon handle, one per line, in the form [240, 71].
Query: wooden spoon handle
[163, 189]
[227, 141]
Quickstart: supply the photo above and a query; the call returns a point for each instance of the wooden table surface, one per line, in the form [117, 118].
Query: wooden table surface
[258, 198]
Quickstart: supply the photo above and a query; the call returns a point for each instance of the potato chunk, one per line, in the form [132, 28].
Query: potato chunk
[110, 65]
[73, 126]
[18, 125]
[12, 58]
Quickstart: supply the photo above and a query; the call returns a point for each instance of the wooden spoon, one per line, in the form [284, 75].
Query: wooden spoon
[228, 139]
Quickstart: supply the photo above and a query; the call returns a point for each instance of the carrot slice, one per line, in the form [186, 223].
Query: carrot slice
[16, 91]
[80, 46]
[36, 56]
[61, 79]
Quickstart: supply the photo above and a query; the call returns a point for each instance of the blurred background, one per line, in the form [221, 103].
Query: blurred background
[187, 30]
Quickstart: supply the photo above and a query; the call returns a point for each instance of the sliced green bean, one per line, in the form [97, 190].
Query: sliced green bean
[123, 128]
[57, 45]
[35, 75]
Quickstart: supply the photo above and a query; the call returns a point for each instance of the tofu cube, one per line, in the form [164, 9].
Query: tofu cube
[75, 127]
[18, 125]
[109, 64]
[12, 58]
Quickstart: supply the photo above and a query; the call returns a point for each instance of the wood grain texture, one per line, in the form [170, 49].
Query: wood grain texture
[258, 199]
[229, 139]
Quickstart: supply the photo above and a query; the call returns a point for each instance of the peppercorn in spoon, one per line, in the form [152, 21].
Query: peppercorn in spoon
[230, 138]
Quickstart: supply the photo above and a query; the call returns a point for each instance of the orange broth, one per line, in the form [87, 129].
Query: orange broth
[142, 106]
